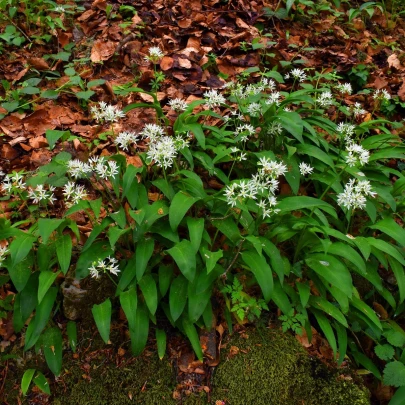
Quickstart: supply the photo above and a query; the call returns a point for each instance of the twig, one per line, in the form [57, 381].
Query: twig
[223, 275]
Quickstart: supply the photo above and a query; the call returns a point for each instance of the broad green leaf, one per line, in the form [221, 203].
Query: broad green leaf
[52, 342]
[261, 270]
[165, 278]
[392, 229]
[50, 94]
[21, 272]
[161, 343]
[64, 252]
[178, 296]
[97, 251]
[303, 202]
[46, 226]
[185, 258]
[20, 247]
[196, 129]
[148, 287]
[304, 291]
[46, 279]
[347, 252]
[399, 273]
[329, 308]
[180, 204]
[280, 298]
[102, 317]
[292, 122]
[143, 253]
[42, 314]
[276, 261]
[42, 383]
[26, 380]
[129, 304]
[333, 271]
[229, 228]
[139, 334]
[385, 247]
[71, 330]
[84, 95]
[311, 150]
[192, 335]
[115, 233]
[53, 136]
[197, 302]
[366, 310]
[394, 374]
[384, 352]
[326, 329]
[195, 230]
[211, 258]
[367, 363]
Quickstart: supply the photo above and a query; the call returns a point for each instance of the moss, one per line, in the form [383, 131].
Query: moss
[273, 369]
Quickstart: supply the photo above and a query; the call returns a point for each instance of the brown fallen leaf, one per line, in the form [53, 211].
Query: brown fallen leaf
[102, 50]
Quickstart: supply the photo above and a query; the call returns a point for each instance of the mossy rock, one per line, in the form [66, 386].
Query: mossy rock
[272, 368]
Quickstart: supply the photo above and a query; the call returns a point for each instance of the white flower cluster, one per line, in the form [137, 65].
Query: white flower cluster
[213, 98]
[125, 139]
[163, 149]
[355, 193]
[178, 105]
[261, 187]
[382, 95]
[346, 131]
[357, 109]
[39, 193]
[73, 193]
[110, 265]
[325, 99]
[356, 155]
[13, 183]
[242, 92]
[344, 88]
[106, 113]
[245, 131]
[155, 54]
[254, 109]
[274, 98]
[3, 253]
[274, 129]
[296, 74]
[305, 169]
[102, 167]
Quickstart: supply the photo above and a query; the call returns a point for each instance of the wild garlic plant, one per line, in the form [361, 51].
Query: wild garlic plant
[250, 181]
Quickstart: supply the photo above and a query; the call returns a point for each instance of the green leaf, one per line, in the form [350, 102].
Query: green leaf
[292, 123]
[367, 363]
[97, 251]
[46, 279]
[384, 352]
[192, 335]
[180, 204]
[261, 270]
[211, 258]
[52, 341]
[196, 129]
[366, 310]
[102, 316]
[42, 314]
[392, 229]
[394, 374]
[399, 397]
[53, 136]
[165, 278]
[129, 304]
[161, 343]
[195, 230]
[72, 335]
[386, 248]
[280, 298]
[96, 82]
[333, 271]
[342, 341]
[21, 273]
[303, 202]
[85, 95]
[50, 94]
[329, 308]
[144, 251]
[326, 329]
[396, 338]
[20, 247]
[26, 380]
[398, 271]
[178, 296]
[46, 226]
[148, 287]
[304, 292]
[139, 334]
[64, 252]
[315, 152]
[185, 258]
[42, 383]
